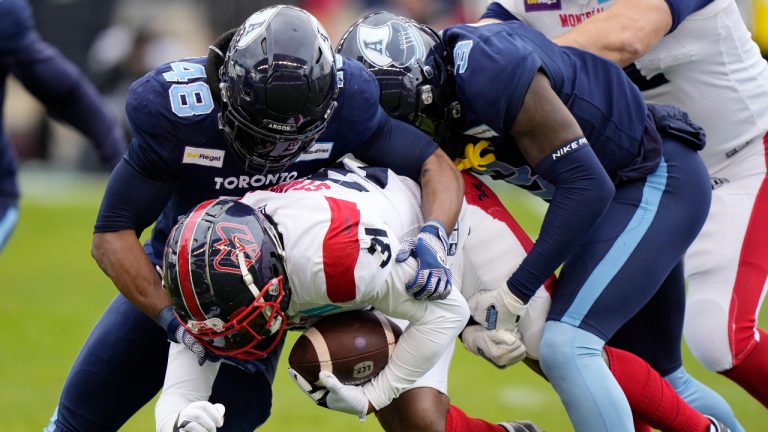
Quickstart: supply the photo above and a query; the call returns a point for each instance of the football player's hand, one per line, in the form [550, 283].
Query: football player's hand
[500, 347]
[497, 308]
[433, 278]
[178, 334]
[317, 394]
[200, 416]
[345, 398]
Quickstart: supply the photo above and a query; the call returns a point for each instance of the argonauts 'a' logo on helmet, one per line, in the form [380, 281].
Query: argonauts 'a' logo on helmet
[254, 25]
[395, 43]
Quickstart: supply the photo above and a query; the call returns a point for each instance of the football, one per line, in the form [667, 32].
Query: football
[355, 346]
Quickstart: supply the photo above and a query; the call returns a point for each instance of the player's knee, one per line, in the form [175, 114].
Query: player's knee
[562, 345]
[706, 333]
[422, 409]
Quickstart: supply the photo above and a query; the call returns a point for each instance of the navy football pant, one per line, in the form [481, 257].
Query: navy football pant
[662, 315]
[122, 366]
[628, 271]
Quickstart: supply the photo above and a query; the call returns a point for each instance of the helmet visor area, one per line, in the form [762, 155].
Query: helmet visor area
[265, 151]
[251, 332]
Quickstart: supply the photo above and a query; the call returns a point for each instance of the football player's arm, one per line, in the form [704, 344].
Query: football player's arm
[433, 327]
[185, 382]
[630, 28]
[410, 152]
[553, 143]
[123, 215]
[442, 189]
[68, 96]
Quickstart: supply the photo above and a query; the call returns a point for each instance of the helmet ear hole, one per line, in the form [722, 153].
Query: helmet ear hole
[406, 58]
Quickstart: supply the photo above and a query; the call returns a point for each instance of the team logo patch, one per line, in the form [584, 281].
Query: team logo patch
[321, 150]
[482, 131]
[255, 24]
[542, 5]
[395, 43]
[203, 156]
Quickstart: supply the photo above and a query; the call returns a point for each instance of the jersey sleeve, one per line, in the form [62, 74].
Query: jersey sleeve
[17, 26]
[154, 137]
[147, 165]
[495, 57]
[433, 327]
[185, 382]
[680, 10]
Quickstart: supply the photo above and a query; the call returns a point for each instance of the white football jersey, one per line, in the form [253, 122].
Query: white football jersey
[709, 66]
[341, 232]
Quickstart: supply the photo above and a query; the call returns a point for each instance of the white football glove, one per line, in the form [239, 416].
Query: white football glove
[345, 398]
[497, 309]
[500, 347]
[316, 393]
[200, 416]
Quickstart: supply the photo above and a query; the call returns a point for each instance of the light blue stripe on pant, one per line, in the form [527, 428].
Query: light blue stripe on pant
[622, 248]
[7, 223]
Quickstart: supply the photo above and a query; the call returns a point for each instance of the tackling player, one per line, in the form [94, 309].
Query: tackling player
[271, 103]
[288, 239]
[627, 189]
[699, 56]
[61, 88]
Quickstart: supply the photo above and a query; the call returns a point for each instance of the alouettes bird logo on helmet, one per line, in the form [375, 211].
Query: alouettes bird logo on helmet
[395, 43]
[235, 239]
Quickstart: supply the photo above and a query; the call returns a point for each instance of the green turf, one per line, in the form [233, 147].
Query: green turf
[51, 293]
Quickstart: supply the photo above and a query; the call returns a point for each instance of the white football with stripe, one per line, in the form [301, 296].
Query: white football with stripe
[355, 346]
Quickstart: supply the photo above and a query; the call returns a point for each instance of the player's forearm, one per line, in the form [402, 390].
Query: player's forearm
[185, 382]
[442, 190]
[121, 257]
[624, 32]
[70, 97]
[433, 327]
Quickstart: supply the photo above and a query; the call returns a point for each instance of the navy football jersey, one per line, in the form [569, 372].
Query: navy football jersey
[177, 144]
[494, 66]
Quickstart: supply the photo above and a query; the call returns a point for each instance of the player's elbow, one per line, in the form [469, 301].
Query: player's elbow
[103, 247]
[456, 312]
[628, 50]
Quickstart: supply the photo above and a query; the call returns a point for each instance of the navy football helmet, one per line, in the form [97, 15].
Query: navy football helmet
[224, 271]
[278, 87]
[412, 66]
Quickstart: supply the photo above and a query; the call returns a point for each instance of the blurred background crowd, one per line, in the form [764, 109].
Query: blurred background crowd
[116, 41]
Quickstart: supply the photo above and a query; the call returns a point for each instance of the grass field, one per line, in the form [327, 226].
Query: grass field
[51, 293]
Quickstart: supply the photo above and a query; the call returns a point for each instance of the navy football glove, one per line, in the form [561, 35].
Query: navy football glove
[178, 334]
[433, 278]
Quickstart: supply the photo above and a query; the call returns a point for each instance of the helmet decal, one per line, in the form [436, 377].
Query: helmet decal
[235, 239]
[254, 25]
[189, 295]
[393, 43]
[325, 46]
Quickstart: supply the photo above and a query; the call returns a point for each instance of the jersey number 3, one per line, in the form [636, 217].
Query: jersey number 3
[188, 99]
